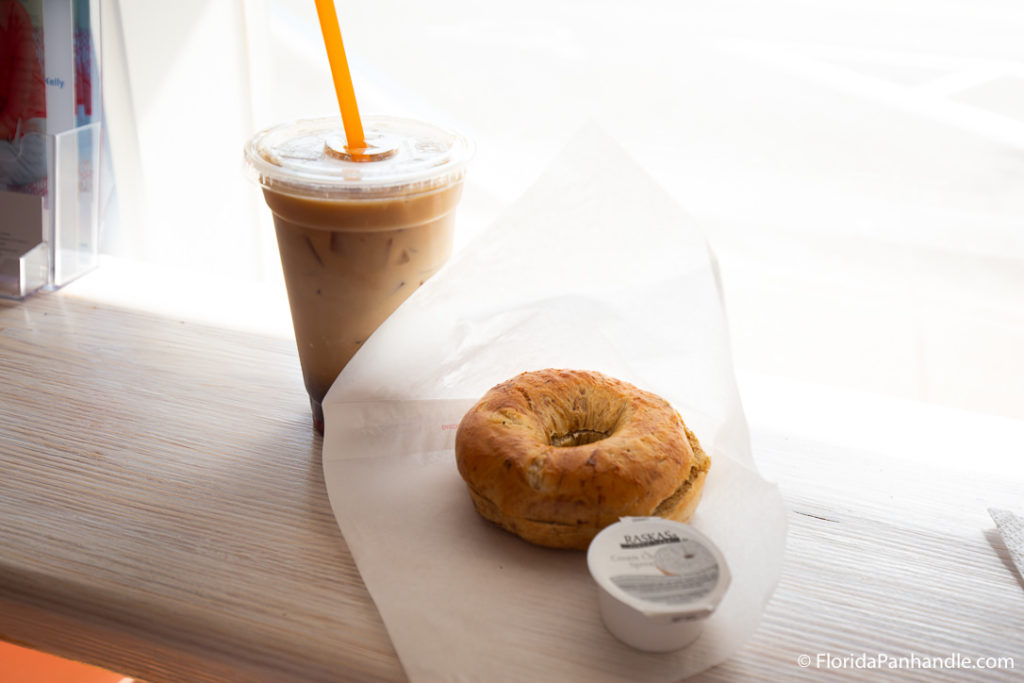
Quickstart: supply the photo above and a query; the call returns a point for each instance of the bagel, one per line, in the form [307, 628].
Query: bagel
[554, 456]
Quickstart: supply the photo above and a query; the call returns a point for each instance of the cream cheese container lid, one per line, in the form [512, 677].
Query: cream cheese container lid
[658, 579]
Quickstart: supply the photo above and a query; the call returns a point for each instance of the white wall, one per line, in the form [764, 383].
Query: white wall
[856, 165]
[180, 111]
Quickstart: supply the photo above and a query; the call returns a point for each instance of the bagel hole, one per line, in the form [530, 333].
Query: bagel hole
[578, 437]
[590, 418]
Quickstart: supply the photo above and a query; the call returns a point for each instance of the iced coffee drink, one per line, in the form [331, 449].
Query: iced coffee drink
[356, 237]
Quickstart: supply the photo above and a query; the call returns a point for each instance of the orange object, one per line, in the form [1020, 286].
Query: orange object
[22, 665]
[342, 78]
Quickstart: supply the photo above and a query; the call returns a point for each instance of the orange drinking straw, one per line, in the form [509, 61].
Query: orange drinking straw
[342, 77]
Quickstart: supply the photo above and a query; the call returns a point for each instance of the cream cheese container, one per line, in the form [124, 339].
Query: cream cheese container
[658, 581]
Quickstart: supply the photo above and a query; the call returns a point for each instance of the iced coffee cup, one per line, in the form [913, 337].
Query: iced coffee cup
[357, 232]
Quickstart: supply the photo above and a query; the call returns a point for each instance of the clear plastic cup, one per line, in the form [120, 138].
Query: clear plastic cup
[357, 232]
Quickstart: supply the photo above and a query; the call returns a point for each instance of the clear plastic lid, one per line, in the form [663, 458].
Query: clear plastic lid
[308, 158]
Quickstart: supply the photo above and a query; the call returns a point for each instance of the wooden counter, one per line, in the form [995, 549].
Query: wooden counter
[163, 515]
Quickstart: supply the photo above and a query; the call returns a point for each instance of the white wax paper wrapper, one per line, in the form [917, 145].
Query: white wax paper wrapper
[594, 268]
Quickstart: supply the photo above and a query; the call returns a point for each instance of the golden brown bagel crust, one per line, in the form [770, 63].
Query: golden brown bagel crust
[626, 453]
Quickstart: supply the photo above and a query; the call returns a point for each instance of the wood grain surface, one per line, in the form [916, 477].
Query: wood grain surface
[163, 515]
[163, 507]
